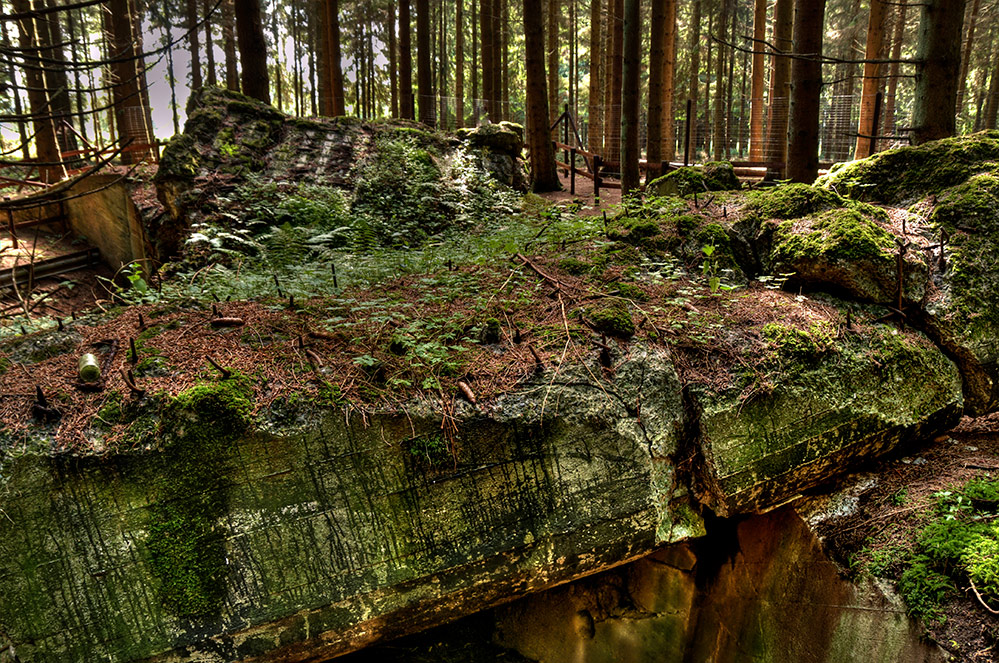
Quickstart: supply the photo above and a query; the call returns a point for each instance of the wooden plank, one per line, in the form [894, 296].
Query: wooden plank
[565, 166]
[59, 218]
[48, 267]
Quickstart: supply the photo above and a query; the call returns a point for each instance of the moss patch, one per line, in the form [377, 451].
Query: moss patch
[186, 540]
[835, 234]
[712, 176]
[613, 319]
[909, 173]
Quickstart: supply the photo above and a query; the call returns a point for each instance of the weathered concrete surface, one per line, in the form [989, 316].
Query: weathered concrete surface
[304, 540]
[763, 592]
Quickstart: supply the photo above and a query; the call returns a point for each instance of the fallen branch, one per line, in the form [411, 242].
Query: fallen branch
[227, 322]
[542, 274]
[980, 599]
[226, 373]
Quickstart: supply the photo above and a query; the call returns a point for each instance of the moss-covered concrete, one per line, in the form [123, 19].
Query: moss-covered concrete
[688, 180]
[909, 173]
[833, 399]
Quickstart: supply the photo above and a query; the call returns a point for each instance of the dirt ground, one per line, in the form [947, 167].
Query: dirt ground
[893, 511]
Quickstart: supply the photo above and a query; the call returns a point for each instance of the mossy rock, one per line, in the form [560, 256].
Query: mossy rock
[503, 137]
[611, 318]
[910, 173]
[688, 180]
[963, 313]
[843, 250]
[792, 201]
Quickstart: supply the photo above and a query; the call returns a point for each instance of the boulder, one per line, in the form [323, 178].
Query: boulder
[688, 180]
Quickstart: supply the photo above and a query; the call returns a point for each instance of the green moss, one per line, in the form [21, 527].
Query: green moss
[792, 201]
[180, 159]
[712, 176]
[972, 204]
[834, 234]
[629, 291]
[4, 365]
[909, 173]
[611, 318]
[331, 394]
[797, 344]
[575, 266]
[185, 540]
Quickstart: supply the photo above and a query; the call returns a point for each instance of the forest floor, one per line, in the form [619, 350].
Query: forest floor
[908, 491]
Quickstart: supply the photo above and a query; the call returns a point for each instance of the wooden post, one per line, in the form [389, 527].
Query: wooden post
[572, 171]
[874, 122]
[10, 223]
[596, 176]
[686, 137]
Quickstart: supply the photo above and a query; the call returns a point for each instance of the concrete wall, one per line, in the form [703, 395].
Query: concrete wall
[108, 219]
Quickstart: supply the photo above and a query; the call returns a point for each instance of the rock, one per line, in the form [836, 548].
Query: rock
[232, 538]
[957, 181]
[231, 142]
[777, 598]
[906, 174]
[505, 137]
[828, 401]
[688, 180]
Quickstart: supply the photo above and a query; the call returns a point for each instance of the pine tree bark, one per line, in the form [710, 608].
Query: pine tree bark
[544, 177]
[992, 105]
[497, 45]
[966, 58]
[873, 76]
[130, 118]
[51, 40]
[616, 24]
[780, 91]
[669, 83]
[551, 33]
[893, 68]
[474, 72]
[939, 52]
[209, 47]
[505, 68]
[594, 109]
[657, 65]
[407, 108]
[192, 43]
[15, 93]
[486, 28]
[229, 45]
[425, 90]
[806, 84]
[630, 94]
[393, 62]
[252, 50]
[694, 46]
[719, 119]
[756, 101]
[46, 145]
[459, 64]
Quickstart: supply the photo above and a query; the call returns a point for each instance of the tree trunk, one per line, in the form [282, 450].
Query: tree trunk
[669, 83]
[544, 177]
[873, 75]
[992, 105]
[694, 86]
[551, 34]
[475, 63]
[74, 53]
[51, 40]
[616, 24]
[425, 91]
[719, 120]
[806, 84]
[936, 76]
[486, 9]
[172, 79]
[330, 47]
[252, 50]
[229, 45]
[407, 108]
[780, 91]
[657, 65]
[15, 93]
[192, 43]
[756, 100]
[896, 53]
[130, 118]
[966, 59]
[459, 64]
[209, 47]
[505, 68]
[630, 93]
[497, 44]
[594, 110]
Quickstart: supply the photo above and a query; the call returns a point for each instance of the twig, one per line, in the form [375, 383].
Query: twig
[227, 322]
[129, 379]
[980, 599]
[226, 373]
[540, 273]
